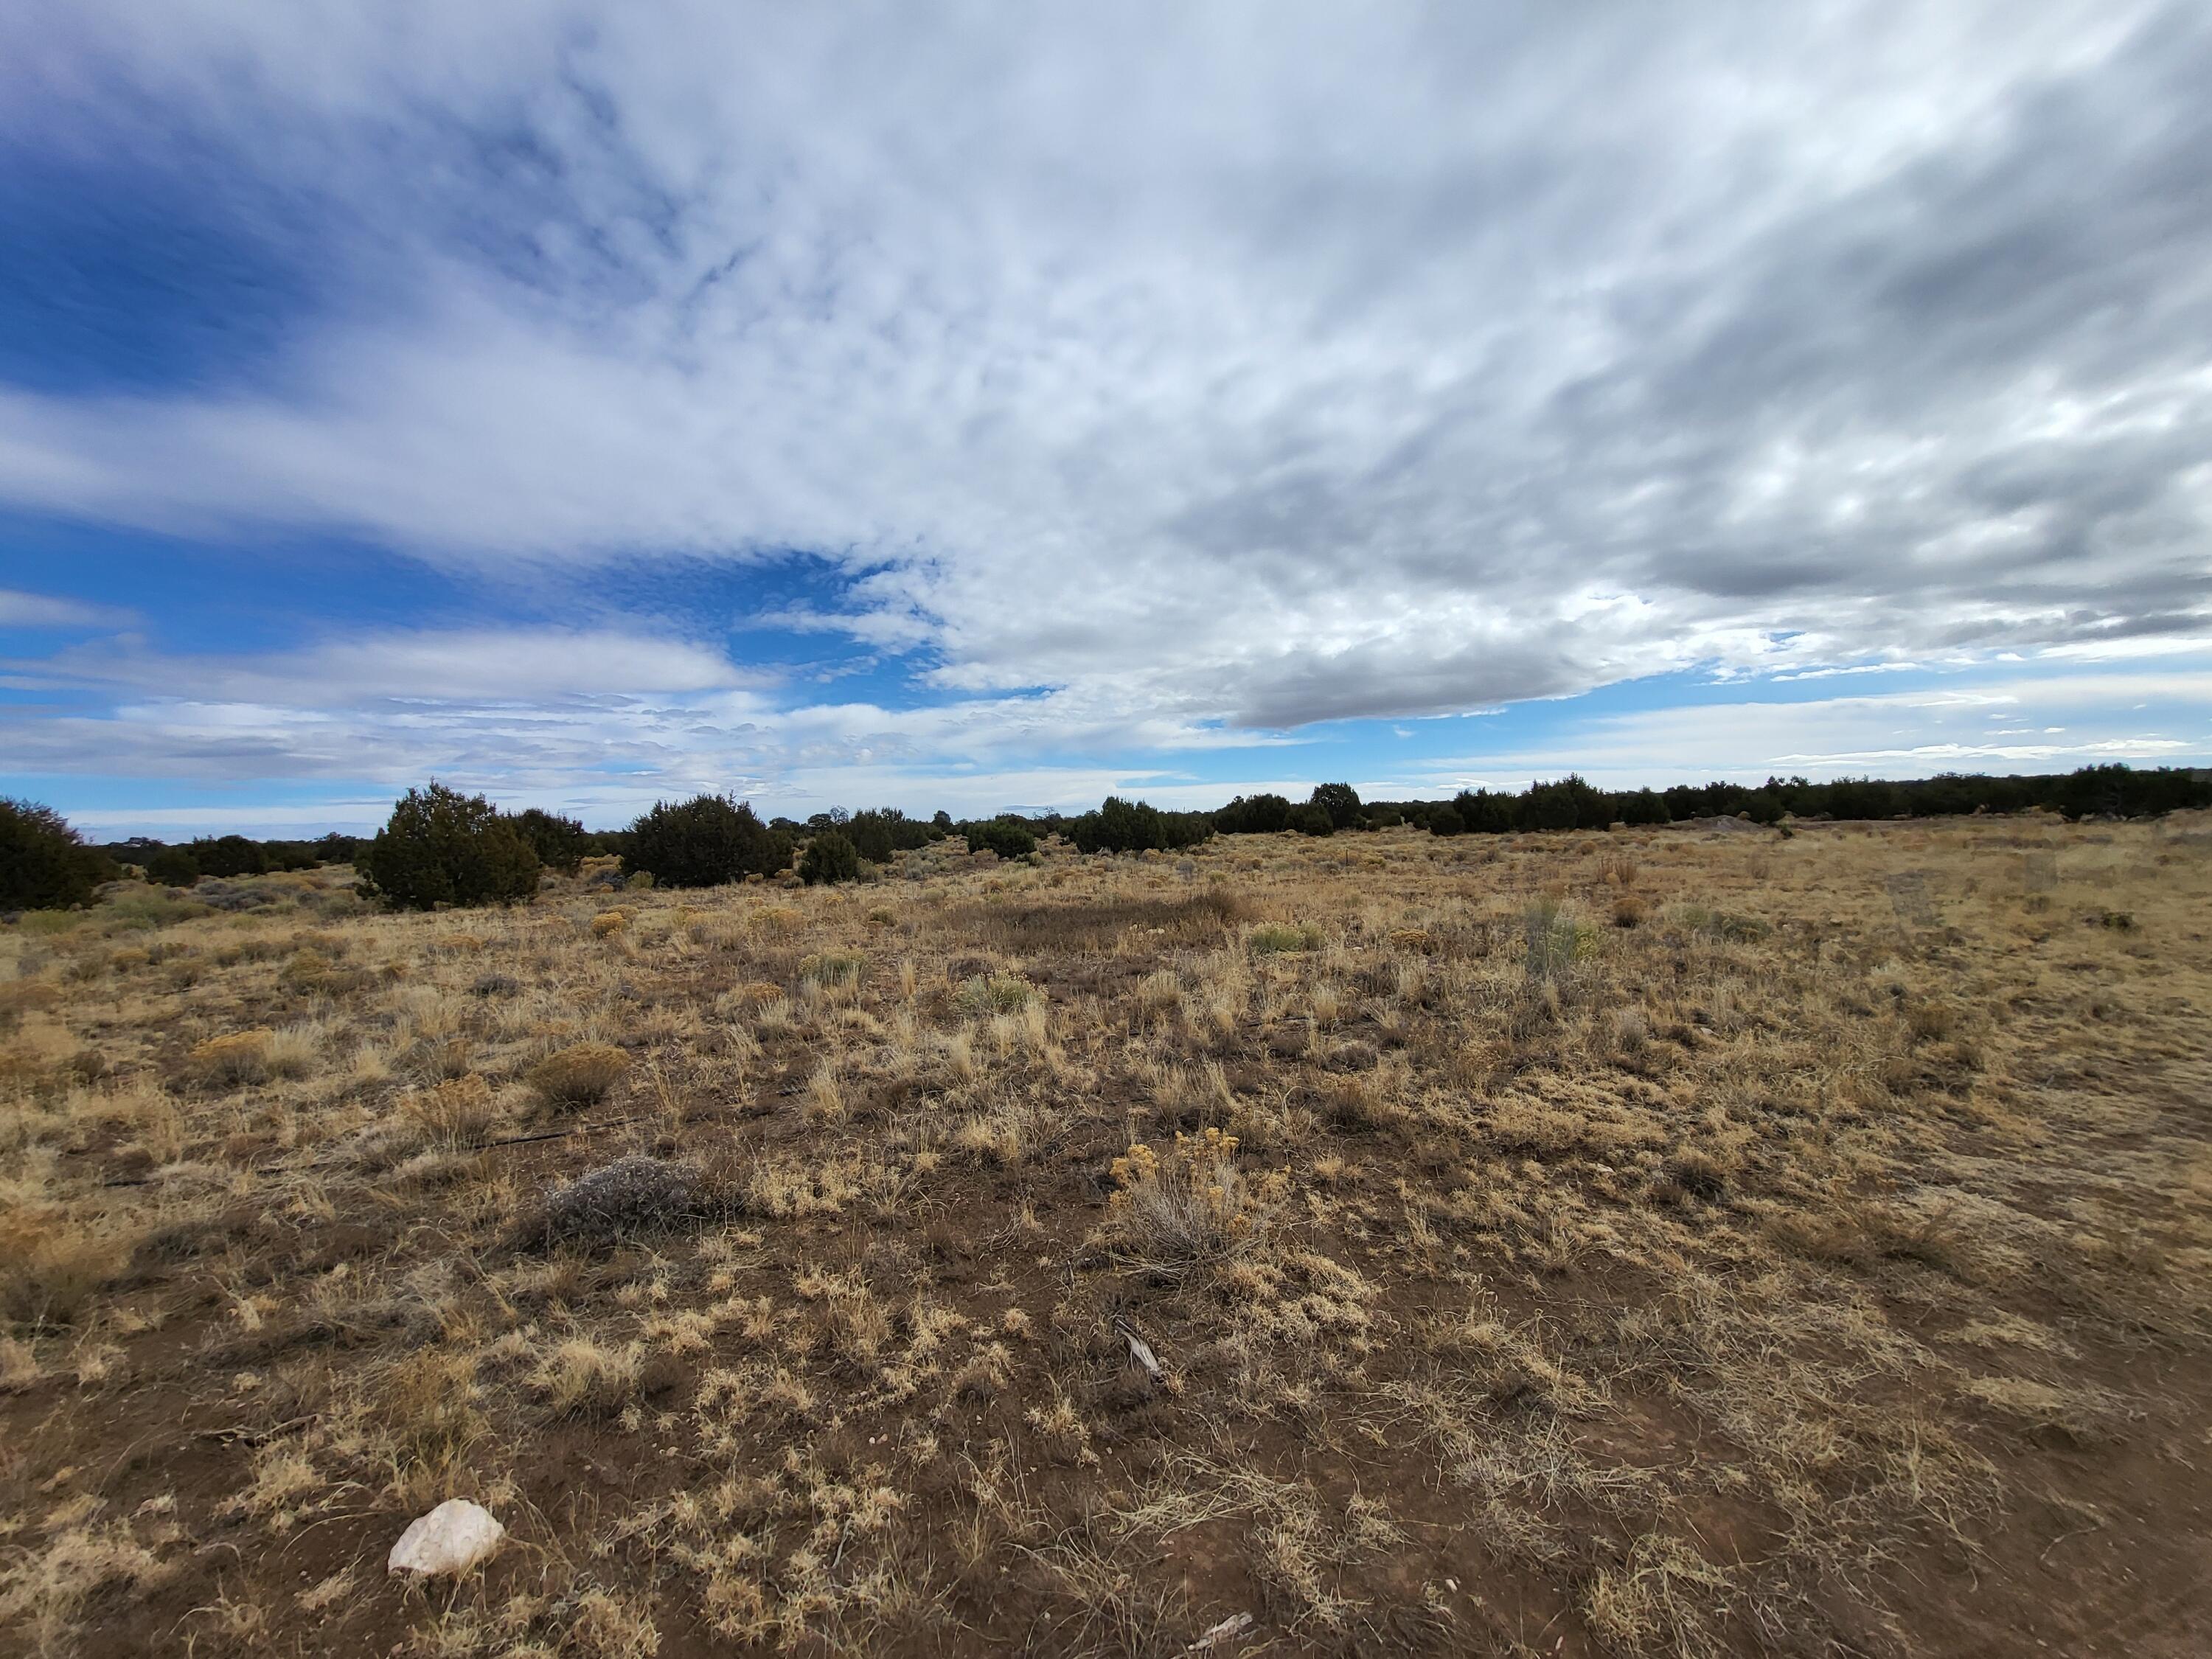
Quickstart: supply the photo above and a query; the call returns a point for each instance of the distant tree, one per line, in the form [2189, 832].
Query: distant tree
[606, 843]
[881, 832]
[334, 848]
[559, 841]
[441, 846]
[2114, 790]
[1253, 815]
[1118, 826]
[225, 856]
[288, 855]
[829, 857]
[1009, 837]
[1310, 818]
[1485, 813]
[871, 835]
[942, 821]
[1340, 801]
[1446, 821]
[1181, 830]
[1861, 798]
[172, 867]
[702, 842]
[44, 864]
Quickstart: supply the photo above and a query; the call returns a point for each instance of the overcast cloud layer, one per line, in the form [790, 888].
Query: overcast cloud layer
[1151, 379]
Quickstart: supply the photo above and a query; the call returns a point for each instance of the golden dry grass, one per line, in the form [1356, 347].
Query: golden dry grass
[1666, 1243]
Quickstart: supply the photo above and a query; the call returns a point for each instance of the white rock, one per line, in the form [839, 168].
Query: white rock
[451, 1539]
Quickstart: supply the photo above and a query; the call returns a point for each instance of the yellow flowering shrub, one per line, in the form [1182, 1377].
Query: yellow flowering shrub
[1191, 1205]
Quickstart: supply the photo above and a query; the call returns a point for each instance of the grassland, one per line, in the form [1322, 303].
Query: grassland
[1676, 1241]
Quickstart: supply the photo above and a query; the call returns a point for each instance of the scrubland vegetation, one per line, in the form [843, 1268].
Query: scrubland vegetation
[1675, 1241]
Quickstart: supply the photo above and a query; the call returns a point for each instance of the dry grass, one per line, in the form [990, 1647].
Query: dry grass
[583, 1074]
[1661, 1243]
[1192, 1208]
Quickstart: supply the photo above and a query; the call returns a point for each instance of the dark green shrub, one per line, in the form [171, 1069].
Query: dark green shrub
[1118, 826]
[172, 867]
[2114, 790]
[1253, 815]
[560, 842]
[702, 842]
[44, 864]
[1483, 813]
[1446, 821]
[288, 855]
[1568, 803]
[881, 833]
[1861, 798]
[830, 856]
[871, 835]
[226, 856]
[335, 848]
[1340, 801]
[1308, 819]
[1181, 830]
[1010, 838]
[441, 846]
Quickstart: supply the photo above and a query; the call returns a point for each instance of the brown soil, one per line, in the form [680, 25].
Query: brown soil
[1796, 1271]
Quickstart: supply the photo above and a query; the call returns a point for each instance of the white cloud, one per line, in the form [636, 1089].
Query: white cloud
[492, 665]
[21, 610]
[1156, 379]
[1264, 365]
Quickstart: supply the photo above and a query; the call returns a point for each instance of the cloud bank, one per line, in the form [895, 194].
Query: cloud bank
[1148, 375]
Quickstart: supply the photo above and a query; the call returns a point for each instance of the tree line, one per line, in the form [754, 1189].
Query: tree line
[441, 846]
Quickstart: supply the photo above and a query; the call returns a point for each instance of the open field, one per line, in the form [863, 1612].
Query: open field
[1670, 1242]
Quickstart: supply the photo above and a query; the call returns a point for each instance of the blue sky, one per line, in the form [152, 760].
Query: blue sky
[947, 409]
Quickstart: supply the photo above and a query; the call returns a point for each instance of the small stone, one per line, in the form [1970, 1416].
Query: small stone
[450, 1539]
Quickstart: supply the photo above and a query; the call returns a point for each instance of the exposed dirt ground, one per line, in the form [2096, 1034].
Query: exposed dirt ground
[1670, 1242]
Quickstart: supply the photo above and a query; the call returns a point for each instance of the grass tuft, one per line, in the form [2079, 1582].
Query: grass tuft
[583, 1074]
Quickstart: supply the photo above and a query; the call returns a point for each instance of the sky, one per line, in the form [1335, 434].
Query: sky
[993, 407]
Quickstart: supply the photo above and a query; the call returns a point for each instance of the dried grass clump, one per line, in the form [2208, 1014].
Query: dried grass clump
[584, 1378]
[454, 1115]
[999, 994]
[581, 1075]
[234, 1058]
[629, 1198]
[1556, 939]
[292, 1052]
[23, 996]
[46, 1586]
[1191, 1208]
[49, 1271]
[609, 921]
[1279, 937]
[832, 967]
[428, 1416]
